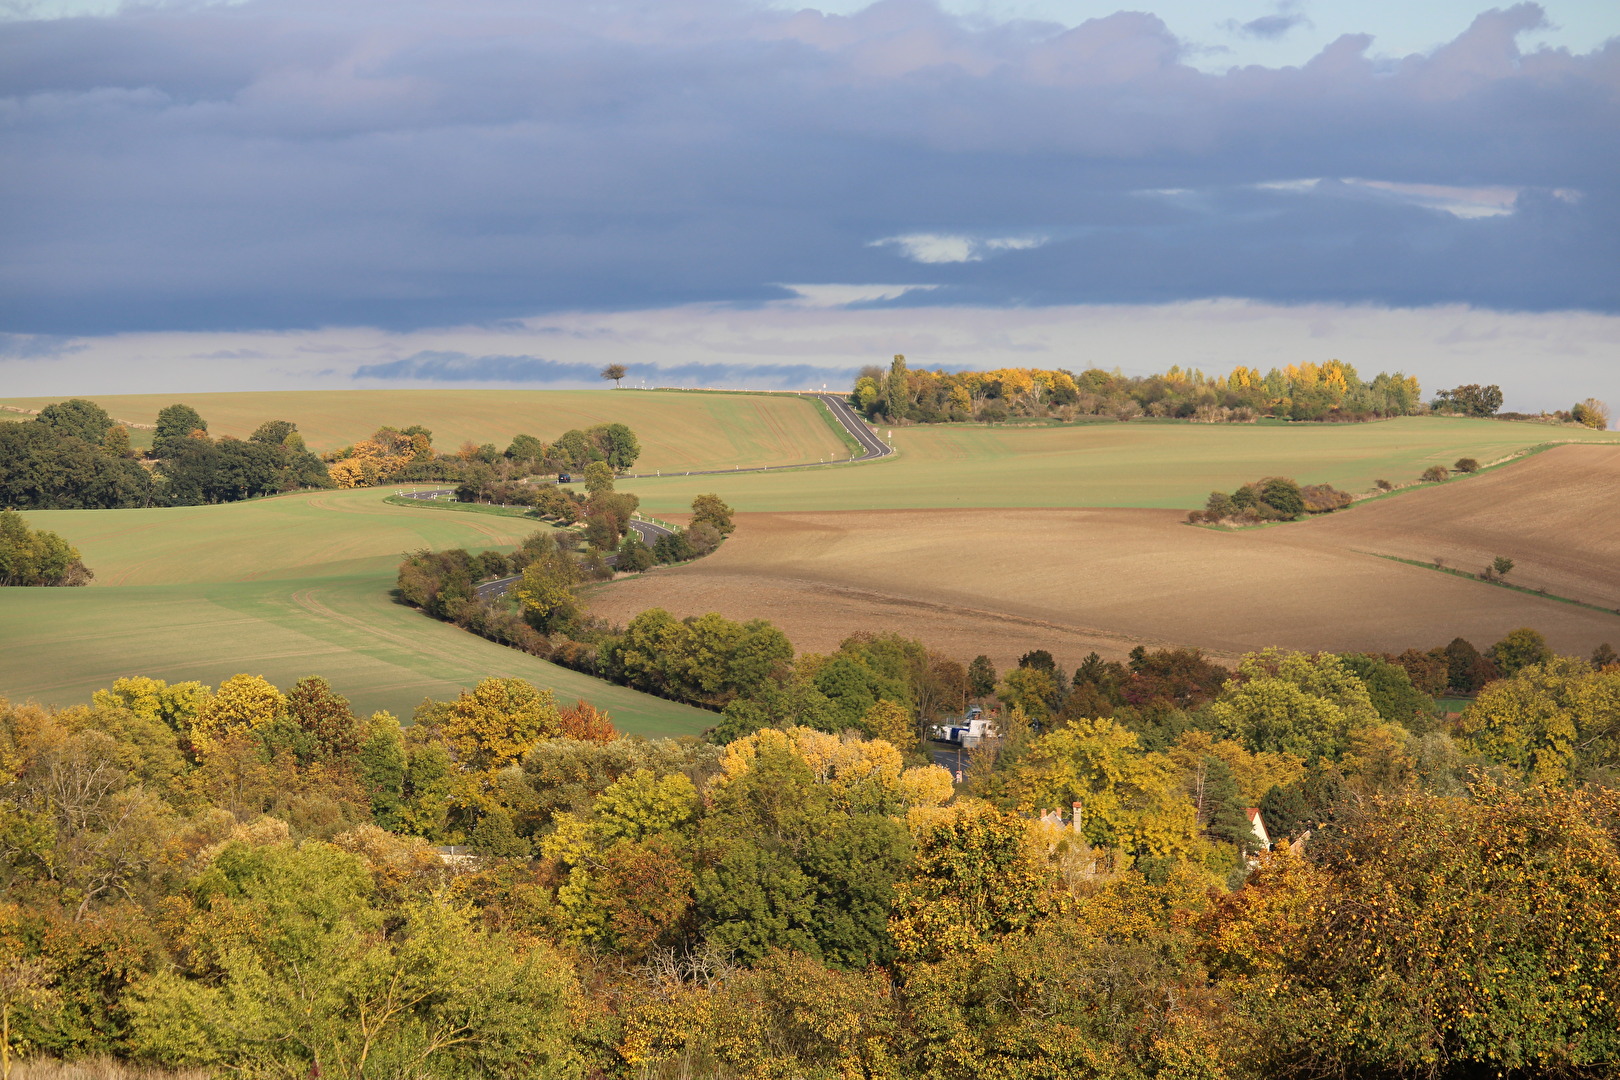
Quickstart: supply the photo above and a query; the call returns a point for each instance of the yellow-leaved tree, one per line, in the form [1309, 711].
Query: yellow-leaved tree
[242, 702]
[1129, 800]
[1548, 719]
[497, 722]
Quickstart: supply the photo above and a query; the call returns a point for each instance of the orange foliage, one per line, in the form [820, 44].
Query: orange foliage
[585, 721]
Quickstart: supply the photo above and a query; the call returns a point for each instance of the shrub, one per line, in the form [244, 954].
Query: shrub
[1384, 485]
[1434, 474]
[1282, 495]
[1466, 465]
[1323, 498]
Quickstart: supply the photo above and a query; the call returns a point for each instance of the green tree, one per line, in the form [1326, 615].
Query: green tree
[634, 555]
[77, 417]
[547, 588]
[274, 433]
[1296, 703]
[598, 478]
[1391, 692]
[175, 425]
[526, 450]
[1520, 649]
[1283, 496]
[981, 677]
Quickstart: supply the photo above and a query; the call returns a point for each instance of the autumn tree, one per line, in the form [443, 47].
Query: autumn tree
[711, 510]
[1520, 649]
[547, 588]
[1549, 721]
[242, 703]
[1593, 413]
[497, 722]
[325, 716]
[616, 372]
[1422, 928]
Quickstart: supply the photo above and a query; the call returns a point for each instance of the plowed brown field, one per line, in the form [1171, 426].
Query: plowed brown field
[1004, 581]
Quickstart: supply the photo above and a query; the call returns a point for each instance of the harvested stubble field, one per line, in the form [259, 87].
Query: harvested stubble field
[284, 587]
[1166, 465]
[678, 431]
[1003, 581]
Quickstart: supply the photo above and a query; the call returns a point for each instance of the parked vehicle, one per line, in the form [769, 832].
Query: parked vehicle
[565, 478]
[970, 730]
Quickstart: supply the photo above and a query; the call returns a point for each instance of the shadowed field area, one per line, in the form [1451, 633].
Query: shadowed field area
[1070, 580]
[1131, 465]
[677, 430]
[285, 587]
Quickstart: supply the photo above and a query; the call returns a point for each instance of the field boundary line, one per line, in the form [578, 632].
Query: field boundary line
[1470, 576]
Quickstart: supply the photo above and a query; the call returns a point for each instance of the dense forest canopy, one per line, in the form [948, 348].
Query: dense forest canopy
[242, 878]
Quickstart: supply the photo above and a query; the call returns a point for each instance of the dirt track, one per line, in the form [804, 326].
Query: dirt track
[1004, 581]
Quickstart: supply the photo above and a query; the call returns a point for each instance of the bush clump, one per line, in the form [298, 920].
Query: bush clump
[1435, 474]
[1274, 498]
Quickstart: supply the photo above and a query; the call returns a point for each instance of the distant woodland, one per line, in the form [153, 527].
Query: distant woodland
[73, 455]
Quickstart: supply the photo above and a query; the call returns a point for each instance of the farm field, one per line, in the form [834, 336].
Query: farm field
[284, 587]
[1073, 580]
[1120, 465]
[677, 430]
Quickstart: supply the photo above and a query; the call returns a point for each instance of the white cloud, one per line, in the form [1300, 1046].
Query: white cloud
[1544, 360]
[837, 296]
[955, 247]
[1460, 201]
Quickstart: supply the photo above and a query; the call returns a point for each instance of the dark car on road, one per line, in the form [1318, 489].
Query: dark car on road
[565, 478]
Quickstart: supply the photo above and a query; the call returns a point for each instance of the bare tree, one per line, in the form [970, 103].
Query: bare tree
[614, 372]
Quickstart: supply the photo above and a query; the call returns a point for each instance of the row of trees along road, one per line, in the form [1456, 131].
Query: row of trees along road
[242, 879]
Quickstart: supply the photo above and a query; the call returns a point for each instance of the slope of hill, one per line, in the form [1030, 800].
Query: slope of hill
[1071, 580]
[677, 430]
[1138, 465]
[285, 587]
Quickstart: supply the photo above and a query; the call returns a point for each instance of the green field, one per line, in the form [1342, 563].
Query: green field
[1172, 466]
[284, 587]
[677, 430]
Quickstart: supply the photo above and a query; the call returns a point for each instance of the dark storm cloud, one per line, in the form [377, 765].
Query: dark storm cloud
[286, 163]
[455, 367]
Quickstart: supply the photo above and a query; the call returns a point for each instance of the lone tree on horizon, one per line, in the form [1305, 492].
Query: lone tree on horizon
[614, 372]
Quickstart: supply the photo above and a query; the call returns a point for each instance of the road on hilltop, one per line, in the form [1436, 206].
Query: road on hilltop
[872, 448]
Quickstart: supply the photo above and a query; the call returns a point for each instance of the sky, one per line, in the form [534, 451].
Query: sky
[279, 193]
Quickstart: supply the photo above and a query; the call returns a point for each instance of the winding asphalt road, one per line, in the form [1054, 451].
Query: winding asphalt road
[872, 448]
